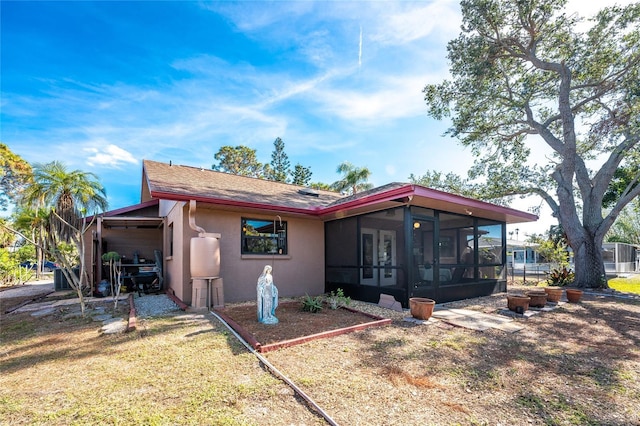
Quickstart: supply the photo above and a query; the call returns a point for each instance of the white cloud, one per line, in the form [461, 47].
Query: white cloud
[110, 156]
[384, 99]
[246, 16]
[441, 17]
[390, 169]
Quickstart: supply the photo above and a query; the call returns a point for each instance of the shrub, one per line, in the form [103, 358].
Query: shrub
[312, 304]
[561, 276]
[335, 299]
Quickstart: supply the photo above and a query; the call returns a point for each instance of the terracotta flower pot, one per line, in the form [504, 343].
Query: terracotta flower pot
[574, 295]
[421, 307]
[538, 298]
[554, 293]
[518, 304]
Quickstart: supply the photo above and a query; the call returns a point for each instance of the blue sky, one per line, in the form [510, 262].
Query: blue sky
[101, 86]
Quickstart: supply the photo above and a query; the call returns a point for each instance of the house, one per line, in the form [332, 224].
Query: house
[620, 258]
[399, 239]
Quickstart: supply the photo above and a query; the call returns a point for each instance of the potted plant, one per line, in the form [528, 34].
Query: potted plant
[518, 303]
[115, 274]
[538, 298]
[560, 277]
[421, 307]
[574, 295]
[554, 293]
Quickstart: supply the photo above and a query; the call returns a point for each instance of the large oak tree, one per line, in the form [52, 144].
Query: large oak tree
[528, 78]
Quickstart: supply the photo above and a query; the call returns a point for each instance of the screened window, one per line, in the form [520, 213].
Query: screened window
[261, 236]
[490, 243]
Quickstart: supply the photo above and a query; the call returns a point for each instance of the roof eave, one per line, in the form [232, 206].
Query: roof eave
[131, 208]
[402, 194]
[233, 203]
[472, 206]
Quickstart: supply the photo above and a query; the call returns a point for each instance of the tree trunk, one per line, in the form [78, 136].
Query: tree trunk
[586, 243]
[589, 264]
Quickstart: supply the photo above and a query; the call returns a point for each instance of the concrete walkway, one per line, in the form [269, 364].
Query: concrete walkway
[32, 288]
[99, 310]
[475, 320]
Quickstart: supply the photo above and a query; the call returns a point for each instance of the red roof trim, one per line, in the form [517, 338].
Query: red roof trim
[470, 203]
[132, 208]
[403, 191]
[408, 190]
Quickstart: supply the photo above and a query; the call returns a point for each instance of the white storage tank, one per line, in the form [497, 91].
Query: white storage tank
[205, 255]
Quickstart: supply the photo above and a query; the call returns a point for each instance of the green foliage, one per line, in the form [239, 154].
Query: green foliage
[10, 271]
[68, 196]
[240, 160]
[335, 299]
[7, 237]
[24, 253]
[15, 175]
[626, 228]
[111, 256]
[561, 277]
[301, 175]
[354, 179]
[528, 77]
[624, 179]
[279, 170]
[312, 304]
[456, 184]
[320, 185]
[553, 252]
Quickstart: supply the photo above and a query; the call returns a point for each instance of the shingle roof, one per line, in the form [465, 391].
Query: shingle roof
[369, 193]
[182, 182]
[176, 182]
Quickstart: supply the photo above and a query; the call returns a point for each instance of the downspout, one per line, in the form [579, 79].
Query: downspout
[204, 263]
[192, 219]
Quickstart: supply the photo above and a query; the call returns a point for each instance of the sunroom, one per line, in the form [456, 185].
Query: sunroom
[452, 252]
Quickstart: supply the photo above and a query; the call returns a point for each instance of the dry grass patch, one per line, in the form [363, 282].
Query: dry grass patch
[184, 369]
[577, 365]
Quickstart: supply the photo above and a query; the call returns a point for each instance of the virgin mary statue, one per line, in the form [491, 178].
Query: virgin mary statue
[267, 297]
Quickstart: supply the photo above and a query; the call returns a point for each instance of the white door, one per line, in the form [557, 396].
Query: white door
[387, 257]
[378, 257]
[369, 261]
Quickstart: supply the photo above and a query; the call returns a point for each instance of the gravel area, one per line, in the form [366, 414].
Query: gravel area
[485, 304]
[154, 305]
[374, 309]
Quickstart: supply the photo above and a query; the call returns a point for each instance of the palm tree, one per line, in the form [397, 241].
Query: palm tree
[68, 196]
[354, 179]
[33, 222]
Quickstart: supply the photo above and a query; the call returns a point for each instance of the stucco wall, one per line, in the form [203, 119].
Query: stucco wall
[176, 272]
[300, 271]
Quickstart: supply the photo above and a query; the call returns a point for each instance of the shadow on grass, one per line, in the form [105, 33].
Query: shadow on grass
[562, 362]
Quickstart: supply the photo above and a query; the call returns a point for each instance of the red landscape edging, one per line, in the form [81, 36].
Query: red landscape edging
[251, 340]
[324, 334]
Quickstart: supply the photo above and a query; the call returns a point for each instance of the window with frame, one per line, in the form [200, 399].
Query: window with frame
[260, 236]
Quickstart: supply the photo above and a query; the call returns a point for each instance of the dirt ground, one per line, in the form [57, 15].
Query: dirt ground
[293, 322]
[576, 365]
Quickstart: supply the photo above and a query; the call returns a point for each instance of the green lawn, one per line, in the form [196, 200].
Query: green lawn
[627, 285]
